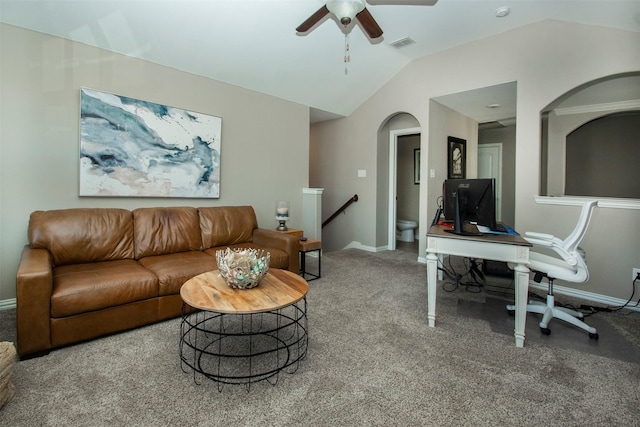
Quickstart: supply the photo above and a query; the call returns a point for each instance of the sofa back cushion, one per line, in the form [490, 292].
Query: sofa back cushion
[76, 236]
[160, 231]
[227, 225]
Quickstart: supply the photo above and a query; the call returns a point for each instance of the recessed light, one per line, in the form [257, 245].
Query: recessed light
[503, 11]
[493, 106]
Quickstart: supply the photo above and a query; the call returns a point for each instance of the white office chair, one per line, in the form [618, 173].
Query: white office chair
[570, 266]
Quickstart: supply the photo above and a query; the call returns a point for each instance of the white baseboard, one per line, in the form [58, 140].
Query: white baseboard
[358, 245]
[6, 304]
[585, 295]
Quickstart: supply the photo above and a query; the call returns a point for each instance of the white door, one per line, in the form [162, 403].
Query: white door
[490, 166]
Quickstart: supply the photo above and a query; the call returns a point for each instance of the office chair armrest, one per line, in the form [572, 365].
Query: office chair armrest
[542, 239]
[542, 236]
[552, 242]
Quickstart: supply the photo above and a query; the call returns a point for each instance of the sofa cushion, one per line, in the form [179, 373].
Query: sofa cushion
[175, 269]
[227, 225]
[278, 258]
[81, 288]
[160, 231]
[75, 236]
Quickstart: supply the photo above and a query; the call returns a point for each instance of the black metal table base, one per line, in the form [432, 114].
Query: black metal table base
[303, 265]
[243, 348]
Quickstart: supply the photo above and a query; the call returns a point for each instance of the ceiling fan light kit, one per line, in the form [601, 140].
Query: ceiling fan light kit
[345, 10]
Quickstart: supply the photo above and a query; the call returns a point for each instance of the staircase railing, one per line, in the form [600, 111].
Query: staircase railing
[342, 209]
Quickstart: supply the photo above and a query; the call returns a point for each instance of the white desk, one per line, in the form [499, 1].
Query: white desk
[512, 249]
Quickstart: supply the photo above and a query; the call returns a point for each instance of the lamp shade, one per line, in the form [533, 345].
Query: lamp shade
[345, 10]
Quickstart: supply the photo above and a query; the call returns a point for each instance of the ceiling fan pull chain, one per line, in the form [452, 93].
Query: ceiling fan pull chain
[346, 53]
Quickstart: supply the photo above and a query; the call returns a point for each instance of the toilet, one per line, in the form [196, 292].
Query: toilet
[405, 230]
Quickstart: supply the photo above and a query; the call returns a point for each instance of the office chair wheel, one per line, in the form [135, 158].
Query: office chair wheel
[594, 336]
[545, 331]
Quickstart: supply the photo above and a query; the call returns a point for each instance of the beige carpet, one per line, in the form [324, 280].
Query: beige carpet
[372, 361]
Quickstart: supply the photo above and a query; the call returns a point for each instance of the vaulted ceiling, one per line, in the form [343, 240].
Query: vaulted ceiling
[254, 44]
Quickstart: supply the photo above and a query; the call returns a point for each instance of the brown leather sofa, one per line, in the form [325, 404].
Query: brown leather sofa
[92, 272]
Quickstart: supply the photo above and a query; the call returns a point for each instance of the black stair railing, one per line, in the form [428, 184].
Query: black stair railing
[342, 209]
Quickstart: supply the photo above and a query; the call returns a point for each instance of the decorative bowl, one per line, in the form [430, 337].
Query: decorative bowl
[243, 268]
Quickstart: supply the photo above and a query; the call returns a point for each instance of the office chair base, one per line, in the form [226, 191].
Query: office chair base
[550, 311]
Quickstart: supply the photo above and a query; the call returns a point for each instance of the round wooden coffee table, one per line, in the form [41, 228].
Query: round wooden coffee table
[242, 336]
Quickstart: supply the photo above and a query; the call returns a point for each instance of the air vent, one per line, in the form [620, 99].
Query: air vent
[400, 43]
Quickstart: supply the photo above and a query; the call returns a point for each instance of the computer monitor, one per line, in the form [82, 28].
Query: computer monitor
[470, 200]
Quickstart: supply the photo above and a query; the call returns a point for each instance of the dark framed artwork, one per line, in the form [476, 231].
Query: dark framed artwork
[134, 148]
[416, 166]
[457, 158]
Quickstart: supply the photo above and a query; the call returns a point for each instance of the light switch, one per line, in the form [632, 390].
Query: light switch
[362, 173]
[432, 173]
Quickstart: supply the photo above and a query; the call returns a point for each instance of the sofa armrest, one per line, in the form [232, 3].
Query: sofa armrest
[34, 285]
[282, 241]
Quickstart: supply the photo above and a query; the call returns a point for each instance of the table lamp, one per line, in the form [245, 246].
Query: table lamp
[282, 215]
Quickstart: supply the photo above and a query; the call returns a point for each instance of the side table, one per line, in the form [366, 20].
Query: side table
[242, 336]
[293, 232]
[307, 246]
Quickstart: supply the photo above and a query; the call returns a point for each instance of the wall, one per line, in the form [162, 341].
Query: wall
[610, 143]
[546, 59]
[594, 99]
[559, 127]
[264, 139]
[446, 122]
[335, 162]
[506, 136]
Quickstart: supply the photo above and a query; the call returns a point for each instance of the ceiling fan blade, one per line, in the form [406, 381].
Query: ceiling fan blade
[313, 20]
[369, 25]
[402, 2]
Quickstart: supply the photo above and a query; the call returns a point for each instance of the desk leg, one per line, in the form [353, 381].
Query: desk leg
[521, 278]
[432, 271]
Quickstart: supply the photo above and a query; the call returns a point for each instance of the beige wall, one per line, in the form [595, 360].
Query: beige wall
[446, 122]
[507, 137]
[265, 150]
[559, 128]
[546, 60]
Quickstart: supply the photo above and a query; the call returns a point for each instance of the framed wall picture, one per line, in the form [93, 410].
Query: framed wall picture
[416, 166]
[457, 158]
[134, 148]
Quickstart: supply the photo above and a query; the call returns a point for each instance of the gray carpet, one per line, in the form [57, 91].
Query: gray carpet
[371, 361]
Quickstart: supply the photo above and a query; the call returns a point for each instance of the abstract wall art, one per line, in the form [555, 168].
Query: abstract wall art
[133, 148]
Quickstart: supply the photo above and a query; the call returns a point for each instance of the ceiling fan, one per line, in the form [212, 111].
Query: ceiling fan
[346, 10]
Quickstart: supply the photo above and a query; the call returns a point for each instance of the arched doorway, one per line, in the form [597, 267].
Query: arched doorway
[390, 135]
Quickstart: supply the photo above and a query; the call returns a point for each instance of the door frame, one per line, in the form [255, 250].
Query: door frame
[393, 166]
